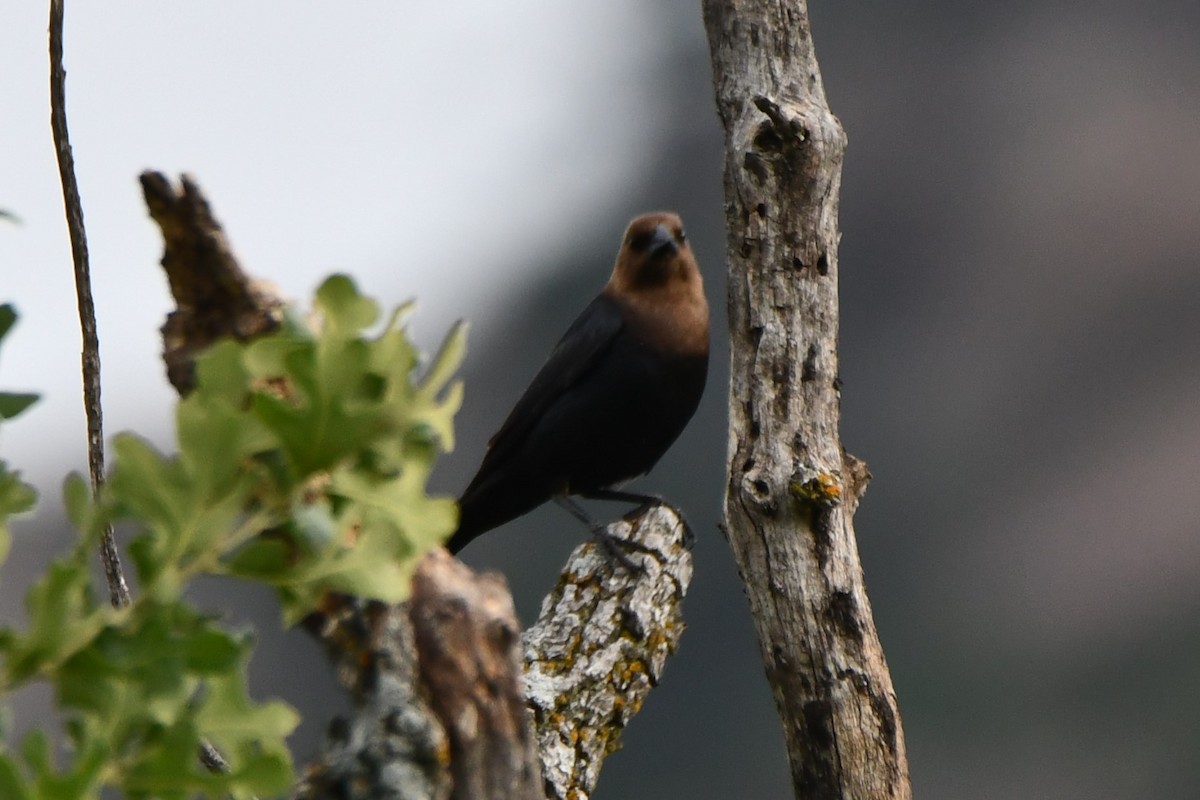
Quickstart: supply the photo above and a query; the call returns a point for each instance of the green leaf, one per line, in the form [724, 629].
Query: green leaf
[447, 361]
[346, 312]
[35, 748]
[77, 500]
[16, 496]
[12, 784]
[269, 357]
[212, 651]
[8, 318]
[148, 486]
[243, 729]
[13, 403]
[221, 372]
[260, 559]
[319, 433]
[63, 616]
[215, 441]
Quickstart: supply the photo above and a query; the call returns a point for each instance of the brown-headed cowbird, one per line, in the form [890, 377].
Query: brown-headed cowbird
[616, 392]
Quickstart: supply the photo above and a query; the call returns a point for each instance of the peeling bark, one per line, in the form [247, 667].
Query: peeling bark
[213, 296]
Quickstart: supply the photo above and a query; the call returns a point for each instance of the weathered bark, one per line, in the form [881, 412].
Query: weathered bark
[600, 646]
[468, 641]
[441, 710]
[791, 489]
[214, 297]
[437, 685]
[393, 747]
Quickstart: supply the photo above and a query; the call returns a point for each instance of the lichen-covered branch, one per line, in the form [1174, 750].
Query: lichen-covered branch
[393, 746]
[600, 646]
[791, 489]
[437, 685]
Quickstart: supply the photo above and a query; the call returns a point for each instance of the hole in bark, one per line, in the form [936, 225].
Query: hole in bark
[755, 165]
[809, 371]
[823, 264]
[887, 719]
[766, 139]
[818, 722]
[843, 613]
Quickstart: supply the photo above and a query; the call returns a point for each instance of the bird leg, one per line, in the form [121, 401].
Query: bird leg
[644, 501]
[611, 544]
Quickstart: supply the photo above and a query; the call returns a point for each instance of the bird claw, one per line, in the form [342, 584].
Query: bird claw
[613, 545]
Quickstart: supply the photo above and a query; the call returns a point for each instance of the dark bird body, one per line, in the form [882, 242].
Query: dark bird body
[614, 395]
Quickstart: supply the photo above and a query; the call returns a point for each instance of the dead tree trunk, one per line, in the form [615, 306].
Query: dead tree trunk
[792, 489]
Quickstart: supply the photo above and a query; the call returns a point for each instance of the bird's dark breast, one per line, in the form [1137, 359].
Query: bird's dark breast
[618, 422]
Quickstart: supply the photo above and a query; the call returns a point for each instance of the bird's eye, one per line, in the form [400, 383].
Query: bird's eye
[682, 235]
[640, 241]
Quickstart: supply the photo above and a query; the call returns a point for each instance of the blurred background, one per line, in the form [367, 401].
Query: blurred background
[1020, 324]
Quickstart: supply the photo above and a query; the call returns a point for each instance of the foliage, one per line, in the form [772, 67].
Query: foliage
[302, 463]
[15, 495]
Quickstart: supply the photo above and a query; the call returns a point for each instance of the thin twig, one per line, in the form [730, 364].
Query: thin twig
[118, 590]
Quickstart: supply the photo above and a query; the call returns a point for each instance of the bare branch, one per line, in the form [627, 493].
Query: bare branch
[118, 590]
[791, 488]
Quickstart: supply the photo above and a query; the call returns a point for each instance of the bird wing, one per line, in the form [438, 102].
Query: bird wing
[579, 351]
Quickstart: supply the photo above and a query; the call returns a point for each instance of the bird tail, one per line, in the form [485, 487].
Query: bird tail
[488, 504]
[462, 537]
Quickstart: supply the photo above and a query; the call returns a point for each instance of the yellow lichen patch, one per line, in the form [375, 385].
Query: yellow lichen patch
[443, 753]
[824, 489]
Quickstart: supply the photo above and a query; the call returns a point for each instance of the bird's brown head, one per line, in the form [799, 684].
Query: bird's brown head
[656, 278]
[654, 253]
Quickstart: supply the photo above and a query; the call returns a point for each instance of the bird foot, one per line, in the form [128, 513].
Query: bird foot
[653, 501]
[615, 546]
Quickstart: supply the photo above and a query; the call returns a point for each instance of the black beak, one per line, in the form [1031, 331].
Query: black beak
[662, 242]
